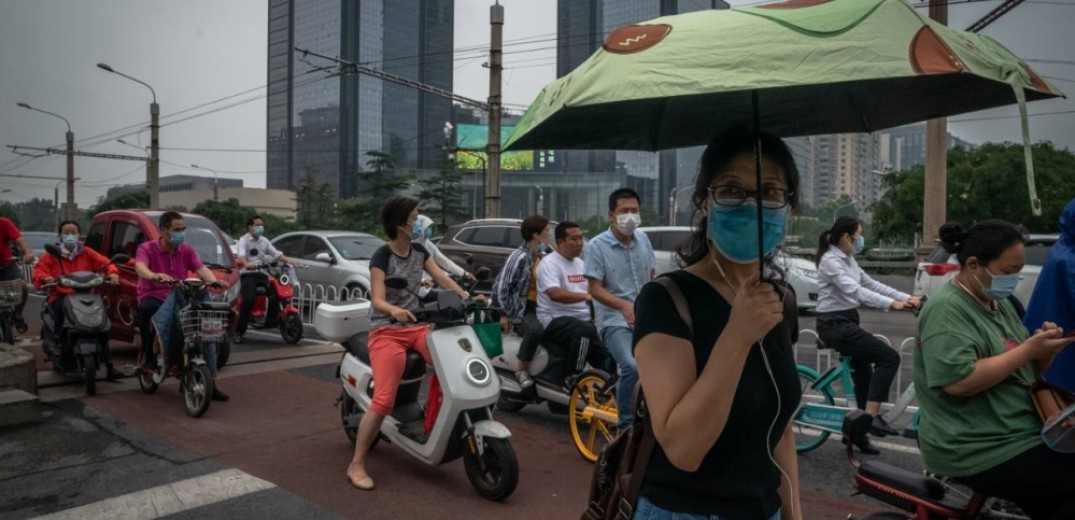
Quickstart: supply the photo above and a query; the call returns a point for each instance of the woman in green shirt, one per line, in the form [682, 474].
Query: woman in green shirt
[973, 367]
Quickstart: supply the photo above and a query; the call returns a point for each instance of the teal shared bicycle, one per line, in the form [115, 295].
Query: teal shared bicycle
[821, 413]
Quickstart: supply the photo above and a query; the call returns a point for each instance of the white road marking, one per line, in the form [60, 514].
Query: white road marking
[170, 498]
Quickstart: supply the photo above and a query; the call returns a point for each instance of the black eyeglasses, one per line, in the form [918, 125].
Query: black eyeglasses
[734, 196]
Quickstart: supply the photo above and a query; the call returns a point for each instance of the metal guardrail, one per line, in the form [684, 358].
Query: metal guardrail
[308, 296]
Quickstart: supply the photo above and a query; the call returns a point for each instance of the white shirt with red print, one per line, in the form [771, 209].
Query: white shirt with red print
[556, 271]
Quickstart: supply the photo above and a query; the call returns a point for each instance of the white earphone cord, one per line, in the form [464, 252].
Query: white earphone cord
[779, 404]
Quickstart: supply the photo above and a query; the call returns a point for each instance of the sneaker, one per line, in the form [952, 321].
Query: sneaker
[219, 396]
[524, 379]
[236, 339]
[881, 428]
[20, 325]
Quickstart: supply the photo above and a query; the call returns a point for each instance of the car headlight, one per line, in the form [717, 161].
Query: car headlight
[478, 372]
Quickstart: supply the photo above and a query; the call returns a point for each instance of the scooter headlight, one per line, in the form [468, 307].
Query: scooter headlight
[478, 372]
[231, 293]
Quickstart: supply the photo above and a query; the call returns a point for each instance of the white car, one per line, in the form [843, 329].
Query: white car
[336, 260]
[939, 267]
[801, 273]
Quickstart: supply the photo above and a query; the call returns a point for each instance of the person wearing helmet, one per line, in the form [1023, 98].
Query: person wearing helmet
[425, 233]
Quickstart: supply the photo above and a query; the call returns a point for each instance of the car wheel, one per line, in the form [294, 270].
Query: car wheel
[356, 291]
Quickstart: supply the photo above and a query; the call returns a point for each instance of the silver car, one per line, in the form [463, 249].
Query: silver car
[336, 260]
[801, 273]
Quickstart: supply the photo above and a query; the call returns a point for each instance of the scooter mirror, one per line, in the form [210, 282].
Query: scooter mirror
[52, 249]
[483, 274]
[395, 282]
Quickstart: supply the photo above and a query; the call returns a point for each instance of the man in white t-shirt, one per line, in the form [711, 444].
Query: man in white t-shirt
[251, 252]
[563, 303]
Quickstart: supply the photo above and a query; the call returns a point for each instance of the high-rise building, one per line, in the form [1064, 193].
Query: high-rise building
[583, 26]
[904, 147]
[321, 124]
[844, 164]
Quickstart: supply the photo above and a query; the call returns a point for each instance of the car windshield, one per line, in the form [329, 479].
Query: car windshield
[38, 240]
[356, 247]
[210, 246]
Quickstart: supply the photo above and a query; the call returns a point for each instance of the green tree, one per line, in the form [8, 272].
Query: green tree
[987, 182]
[36, 215]
[229, 215]
[316, 204]
[380, 180]
[442, 196]
[8, 211]
[128, 200]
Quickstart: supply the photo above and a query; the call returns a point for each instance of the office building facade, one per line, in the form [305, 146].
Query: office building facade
[321, 122]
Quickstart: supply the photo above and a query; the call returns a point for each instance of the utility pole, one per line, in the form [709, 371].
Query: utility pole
[69, 208]
[492, 179]
[153, 179]
[672, 207]
[935, 196]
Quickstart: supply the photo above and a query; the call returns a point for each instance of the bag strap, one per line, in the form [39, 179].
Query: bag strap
[679, 300]
[649, 439]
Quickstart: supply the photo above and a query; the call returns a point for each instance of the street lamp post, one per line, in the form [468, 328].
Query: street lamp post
[153, 174]
[216, 189]
[672, 207]
[69, 213]
[540, 201]
[838, 208]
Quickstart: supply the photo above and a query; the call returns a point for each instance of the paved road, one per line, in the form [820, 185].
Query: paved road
[277, 450]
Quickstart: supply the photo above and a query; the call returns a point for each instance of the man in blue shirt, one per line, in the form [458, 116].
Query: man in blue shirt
[619, 262]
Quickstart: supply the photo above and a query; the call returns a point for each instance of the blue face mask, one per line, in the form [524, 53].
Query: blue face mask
[1002, 287]
[178, 237]
[542, 247]
[860, 244]
[416, 230]
[259, 231]
[734, 230]
[71, 241]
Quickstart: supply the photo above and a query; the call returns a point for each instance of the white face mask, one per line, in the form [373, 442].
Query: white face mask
[628, 222]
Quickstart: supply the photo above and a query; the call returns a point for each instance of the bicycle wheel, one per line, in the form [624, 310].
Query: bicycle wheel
[806, 436]
[592, 415]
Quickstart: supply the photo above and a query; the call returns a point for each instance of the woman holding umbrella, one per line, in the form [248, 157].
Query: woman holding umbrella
[721, 393]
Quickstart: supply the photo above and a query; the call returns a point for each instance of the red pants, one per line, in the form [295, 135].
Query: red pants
[388, 359]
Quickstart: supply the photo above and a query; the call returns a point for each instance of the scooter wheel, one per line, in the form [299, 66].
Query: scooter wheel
[197, 390]
[145, 377]
[494, 473]
[89, 367]
[592, 415]
[509, 405]
[291, 328]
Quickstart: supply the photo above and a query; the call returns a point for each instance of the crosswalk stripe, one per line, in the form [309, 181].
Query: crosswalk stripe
[170, 498]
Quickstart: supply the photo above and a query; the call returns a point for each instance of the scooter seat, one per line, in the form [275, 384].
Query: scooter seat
[914, 483]
[261, 290]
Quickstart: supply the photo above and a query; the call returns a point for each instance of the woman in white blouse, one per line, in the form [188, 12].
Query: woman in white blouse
[843, 288]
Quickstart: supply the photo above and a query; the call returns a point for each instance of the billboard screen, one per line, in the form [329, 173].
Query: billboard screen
[477, 136]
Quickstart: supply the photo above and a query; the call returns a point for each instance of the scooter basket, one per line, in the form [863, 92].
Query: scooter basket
[486, 324]
[204, 325]
[11, 293]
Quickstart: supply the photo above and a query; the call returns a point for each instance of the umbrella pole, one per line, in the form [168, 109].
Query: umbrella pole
[757, 178]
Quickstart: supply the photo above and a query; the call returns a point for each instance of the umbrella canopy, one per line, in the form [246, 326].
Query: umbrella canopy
[816, 67]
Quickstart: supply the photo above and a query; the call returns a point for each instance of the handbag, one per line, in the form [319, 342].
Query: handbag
[1049, 399]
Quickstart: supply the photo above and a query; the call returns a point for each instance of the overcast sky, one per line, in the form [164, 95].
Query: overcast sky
[198, 51]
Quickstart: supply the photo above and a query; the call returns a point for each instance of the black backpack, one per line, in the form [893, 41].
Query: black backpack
[618, 472]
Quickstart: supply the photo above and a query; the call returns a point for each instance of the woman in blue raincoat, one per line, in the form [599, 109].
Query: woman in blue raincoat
[1053, 298]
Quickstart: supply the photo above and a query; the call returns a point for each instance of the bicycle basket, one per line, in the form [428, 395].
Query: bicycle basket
[203, 325]
[11, 293]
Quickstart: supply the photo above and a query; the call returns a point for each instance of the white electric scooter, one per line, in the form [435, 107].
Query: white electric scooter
[464, 426]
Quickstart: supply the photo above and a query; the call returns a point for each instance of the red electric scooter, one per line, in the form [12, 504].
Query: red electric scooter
[272, 305]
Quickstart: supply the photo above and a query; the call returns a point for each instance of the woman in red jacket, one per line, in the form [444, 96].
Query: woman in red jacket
[73, 257]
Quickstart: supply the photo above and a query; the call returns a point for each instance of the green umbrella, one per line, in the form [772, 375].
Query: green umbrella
[794, 68]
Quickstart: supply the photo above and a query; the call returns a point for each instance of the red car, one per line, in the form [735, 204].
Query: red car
[122, 231]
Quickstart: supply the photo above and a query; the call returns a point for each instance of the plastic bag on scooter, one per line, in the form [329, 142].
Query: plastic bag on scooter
[486, 324]
[1059, 431]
